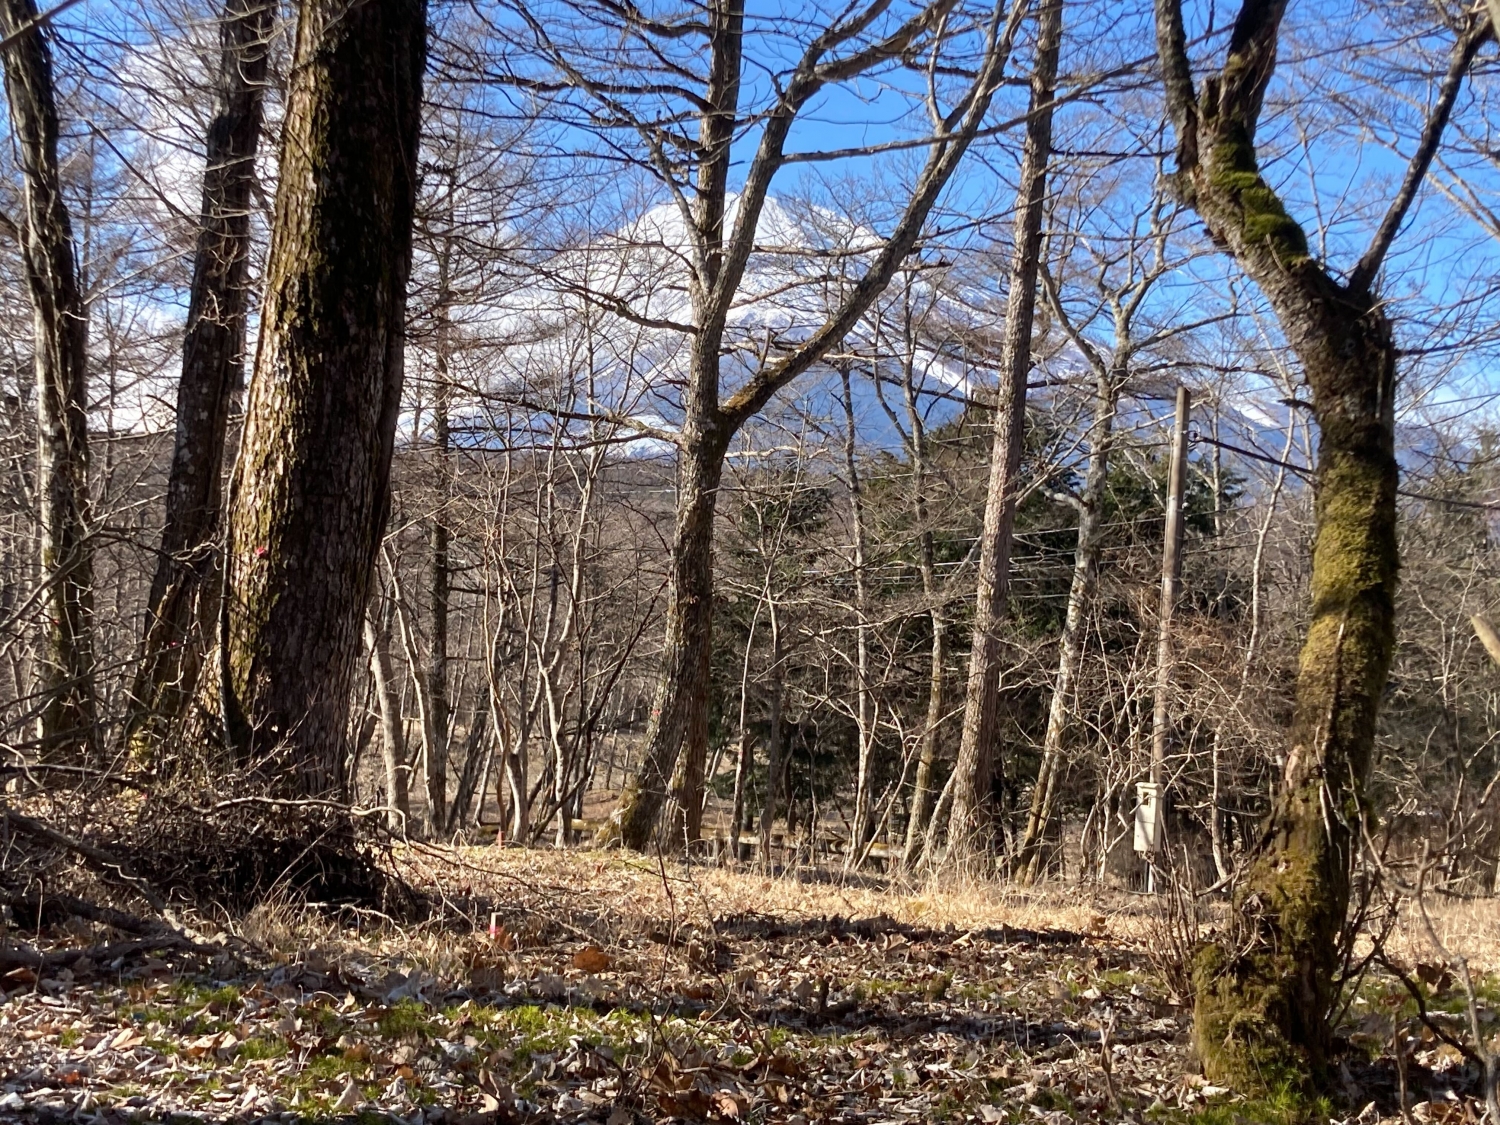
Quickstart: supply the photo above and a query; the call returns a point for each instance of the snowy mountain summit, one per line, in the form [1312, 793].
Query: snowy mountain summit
[608, 327]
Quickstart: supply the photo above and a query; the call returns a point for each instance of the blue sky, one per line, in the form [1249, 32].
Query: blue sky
[1354, 81]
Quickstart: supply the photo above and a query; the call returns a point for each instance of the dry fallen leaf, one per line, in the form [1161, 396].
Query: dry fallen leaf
[591, 959]
[726, 1105]
[201, 1046]
[350, 1098]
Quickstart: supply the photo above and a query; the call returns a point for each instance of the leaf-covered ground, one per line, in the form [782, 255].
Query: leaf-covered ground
[574, 987]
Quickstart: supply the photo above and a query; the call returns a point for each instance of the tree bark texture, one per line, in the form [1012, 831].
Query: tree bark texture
[310, 492]
[679, 713]
[1264, 995]
[182, 607]
[971, 819]
[65, 670]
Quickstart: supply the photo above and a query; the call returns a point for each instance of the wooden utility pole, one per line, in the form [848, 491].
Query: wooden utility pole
[1171, 579]
[1152, 798]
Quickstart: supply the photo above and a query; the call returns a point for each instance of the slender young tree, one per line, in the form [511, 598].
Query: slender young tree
[864, 698]
[1143, 260]
[182, 604]
[721, 245]
[913, 315]
[310, 492]
[916, 440]
[1263, 998]
[971, 819]
[392, 736]
[65, 678]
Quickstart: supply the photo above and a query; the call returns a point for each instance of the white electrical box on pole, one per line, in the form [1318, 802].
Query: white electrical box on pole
[1151, 811]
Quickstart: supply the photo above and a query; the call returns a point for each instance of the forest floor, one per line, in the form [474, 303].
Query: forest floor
[594, 987]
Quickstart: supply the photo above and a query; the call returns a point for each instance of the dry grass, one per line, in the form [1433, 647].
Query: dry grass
[629, 884]
[1470, 928]
[610, 894]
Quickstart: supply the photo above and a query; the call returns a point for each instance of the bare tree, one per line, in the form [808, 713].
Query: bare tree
[1264, 999]
[970, 823]
[182, 605]
[719, 248]
[1145, 262]
[65, 678]
[392, 735]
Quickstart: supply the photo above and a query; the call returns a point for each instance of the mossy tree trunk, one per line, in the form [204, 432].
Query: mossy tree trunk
[182, 606]
[64, 656]
[1264, 995]
[310, 493]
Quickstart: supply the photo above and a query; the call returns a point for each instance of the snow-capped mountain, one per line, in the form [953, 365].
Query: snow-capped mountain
[604, 329]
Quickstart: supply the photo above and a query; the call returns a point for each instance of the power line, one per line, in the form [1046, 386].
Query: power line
[1307, 473]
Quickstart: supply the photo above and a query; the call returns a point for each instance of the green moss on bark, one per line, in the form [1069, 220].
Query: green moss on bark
[1239, 1013]
[1263, 220]
[1264, 994]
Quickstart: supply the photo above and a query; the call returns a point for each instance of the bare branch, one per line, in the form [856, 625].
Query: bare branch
[1459, 60]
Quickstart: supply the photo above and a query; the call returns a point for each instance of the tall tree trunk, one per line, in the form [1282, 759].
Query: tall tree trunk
[182, 607]
[921, 800]
[438, 582]
[1263, 1001]
[65, 658]
[1030, 854]
[1264, 996]
[311, 489]
[774, 756]
[679, 714]
[392, 736]
[971, 821]
[864, 719]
